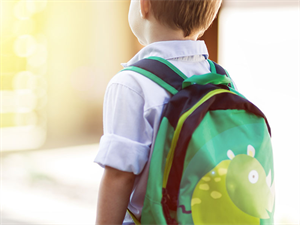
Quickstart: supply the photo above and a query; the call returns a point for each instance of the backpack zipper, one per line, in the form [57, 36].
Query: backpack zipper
[177, 131]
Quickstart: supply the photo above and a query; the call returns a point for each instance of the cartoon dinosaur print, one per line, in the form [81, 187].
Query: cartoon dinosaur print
[236, 191]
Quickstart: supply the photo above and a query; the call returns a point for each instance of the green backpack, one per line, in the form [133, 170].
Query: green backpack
[212, 161]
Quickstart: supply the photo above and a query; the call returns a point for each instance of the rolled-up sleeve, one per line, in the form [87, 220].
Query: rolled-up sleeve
[127, 137]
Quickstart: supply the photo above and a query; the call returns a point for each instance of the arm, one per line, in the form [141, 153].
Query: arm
[124, 146]
[114, 193]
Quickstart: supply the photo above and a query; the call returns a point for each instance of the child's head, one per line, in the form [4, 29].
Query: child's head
[189, 17]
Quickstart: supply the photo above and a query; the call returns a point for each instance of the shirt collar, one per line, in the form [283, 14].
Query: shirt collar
[170, 50]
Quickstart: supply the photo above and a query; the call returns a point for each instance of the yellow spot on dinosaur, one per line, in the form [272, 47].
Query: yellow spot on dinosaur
[222, 171]
[215, 194]
[206, 178]
[204, 187]
[195, 201]
[217, 179]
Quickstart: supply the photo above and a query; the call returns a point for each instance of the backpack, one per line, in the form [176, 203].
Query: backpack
[212, 161]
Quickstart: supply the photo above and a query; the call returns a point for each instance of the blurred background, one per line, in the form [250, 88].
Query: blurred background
[56, 60]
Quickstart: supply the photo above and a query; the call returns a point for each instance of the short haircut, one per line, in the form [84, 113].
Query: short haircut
[188, 15]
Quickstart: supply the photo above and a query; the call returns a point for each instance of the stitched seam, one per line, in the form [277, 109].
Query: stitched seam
[123, 85]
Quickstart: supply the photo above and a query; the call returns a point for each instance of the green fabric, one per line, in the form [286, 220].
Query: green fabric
[218, 121]
[213, 70]
[153, 77]
[233, 130]
[227, 129]
[227, 178]
[152, 212]
[212, 78]
[212, 66]
[177, 132]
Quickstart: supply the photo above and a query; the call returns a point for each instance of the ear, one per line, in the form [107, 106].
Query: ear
[145, 8]
[250, 151]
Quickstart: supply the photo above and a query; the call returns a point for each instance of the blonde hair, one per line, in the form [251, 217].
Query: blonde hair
[188, 15]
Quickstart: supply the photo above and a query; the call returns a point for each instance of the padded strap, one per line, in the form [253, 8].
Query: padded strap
[216, 68]
[209, 78]
[170, 77]
[161, 72]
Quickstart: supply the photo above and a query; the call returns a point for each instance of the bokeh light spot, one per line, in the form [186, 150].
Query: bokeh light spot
[25, 45]
[21, 80]
[36, 6]
[6, 16]
[22, 27]
[26, 119]
[8, 101]
[41, 103]
[38, 85]
[19, 101]
[39, 57]
[21, 10]
[25, 101]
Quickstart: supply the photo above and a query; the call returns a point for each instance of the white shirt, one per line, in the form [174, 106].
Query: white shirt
[132, 111]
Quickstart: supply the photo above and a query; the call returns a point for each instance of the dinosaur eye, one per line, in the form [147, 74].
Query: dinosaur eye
[253, 176]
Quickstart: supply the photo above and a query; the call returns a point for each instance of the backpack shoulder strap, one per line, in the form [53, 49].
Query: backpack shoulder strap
[166, 74]
[161, 72]
[216, 68]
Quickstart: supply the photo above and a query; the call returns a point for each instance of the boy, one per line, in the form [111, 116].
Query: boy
[133, 104]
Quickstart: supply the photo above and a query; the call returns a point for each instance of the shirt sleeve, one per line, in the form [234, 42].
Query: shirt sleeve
[127, 137]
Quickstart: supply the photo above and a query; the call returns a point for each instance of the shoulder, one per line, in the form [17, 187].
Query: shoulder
[128, 80]
[134, 82]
